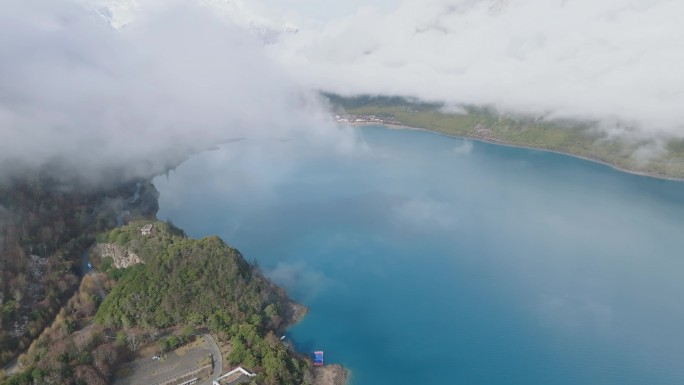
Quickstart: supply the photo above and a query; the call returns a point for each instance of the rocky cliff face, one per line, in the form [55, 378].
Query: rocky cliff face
[122, 257]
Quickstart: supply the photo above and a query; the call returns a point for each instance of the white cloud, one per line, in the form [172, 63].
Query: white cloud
[78, 93]
[611, 60]
[299, 278]
[253, 17]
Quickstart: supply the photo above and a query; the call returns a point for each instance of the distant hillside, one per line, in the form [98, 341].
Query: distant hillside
[583, 139]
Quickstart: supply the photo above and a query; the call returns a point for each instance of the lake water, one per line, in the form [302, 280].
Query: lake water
[434, 260]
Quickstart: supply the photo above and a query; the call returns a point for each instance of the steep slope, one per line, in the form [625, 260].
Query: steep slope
[187, 281]
[203, 283]
[45, 225]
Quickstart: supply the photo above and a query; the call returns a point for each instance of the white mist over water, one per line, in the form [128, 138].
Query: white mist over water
[489, 266]
[618, 62]
[96, 101]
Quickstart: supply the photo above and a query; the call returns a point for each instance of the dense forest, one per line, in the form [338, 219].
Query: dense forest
[69, 335]
[203, 283]
[187, 281]
[182, 285]
[45, 225]
[73, 350]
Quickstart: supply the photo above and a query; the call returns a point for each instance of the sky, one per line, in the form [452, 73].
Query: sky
[129, 84]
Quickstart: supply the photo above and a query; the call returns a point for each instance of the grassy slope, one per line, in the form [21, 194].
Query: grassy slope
[568, 137]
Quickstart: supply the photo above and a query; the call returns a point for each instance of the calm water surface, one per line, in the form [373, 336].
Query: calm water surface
[433, 260]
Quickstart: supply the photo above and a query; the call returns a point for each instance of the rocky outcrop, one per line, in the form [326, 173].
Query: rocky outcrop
[331, 375]
[122, 257]
[294, 312]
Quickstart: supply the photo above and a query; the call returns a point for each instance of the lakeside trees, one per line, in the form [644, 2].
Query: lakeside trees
[188, 282]
[202, 283]
[183, 284]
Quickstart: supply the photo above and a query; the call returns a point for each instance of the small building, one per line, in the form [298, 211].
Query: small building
[147, 229]
[235, 376]
[318, 358]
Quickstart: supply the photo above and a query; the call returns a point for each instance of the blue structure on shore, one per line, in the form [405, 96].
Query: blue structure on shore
[318, 358]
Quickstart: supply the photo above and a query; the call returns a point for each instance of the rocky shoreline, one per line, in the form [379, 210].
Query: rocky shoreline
[295, 312]
[333, 374]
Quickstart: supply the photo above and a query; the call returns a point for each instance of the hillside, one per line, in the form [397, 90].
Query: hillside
[188, 281]
[176, 286]
[45, 225]
[202, 283]
[643, 156]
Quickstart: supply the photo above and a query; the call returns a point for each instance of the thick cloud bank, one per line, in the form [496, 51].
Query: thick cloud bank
[609, 60]
[77, 93]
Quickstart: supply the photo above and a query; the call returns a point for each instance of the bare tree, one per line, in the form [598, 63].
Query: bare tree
[134, 341]
[89, 375]
[105, 356]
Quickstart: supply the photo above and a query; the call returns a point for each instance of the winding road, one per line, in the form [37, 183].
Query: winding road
[218, 360]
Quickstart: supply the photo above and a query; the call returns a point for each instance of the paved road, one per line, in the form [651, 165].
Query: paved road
[218, 360]
[149, 371]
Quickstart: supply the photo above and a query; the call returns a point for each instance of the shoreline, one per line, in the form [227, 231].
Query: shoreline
[330, 374]
[513, 145]
[333, 374]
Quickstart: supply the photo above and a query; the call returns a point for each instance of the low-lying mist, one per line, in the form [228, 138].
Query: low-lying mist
[89, 102]
[617, 62]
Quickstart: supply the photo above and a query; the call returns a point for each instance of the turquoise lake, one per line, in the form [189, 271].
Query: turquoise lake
[426, 259]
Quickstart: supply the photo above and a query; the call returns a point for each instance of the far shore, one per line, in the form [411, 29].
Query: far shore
[482, 139]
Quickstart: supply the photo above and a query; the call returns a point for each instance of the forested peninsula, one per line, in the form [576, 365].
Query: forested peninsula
[144, 287]
[661, 157]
